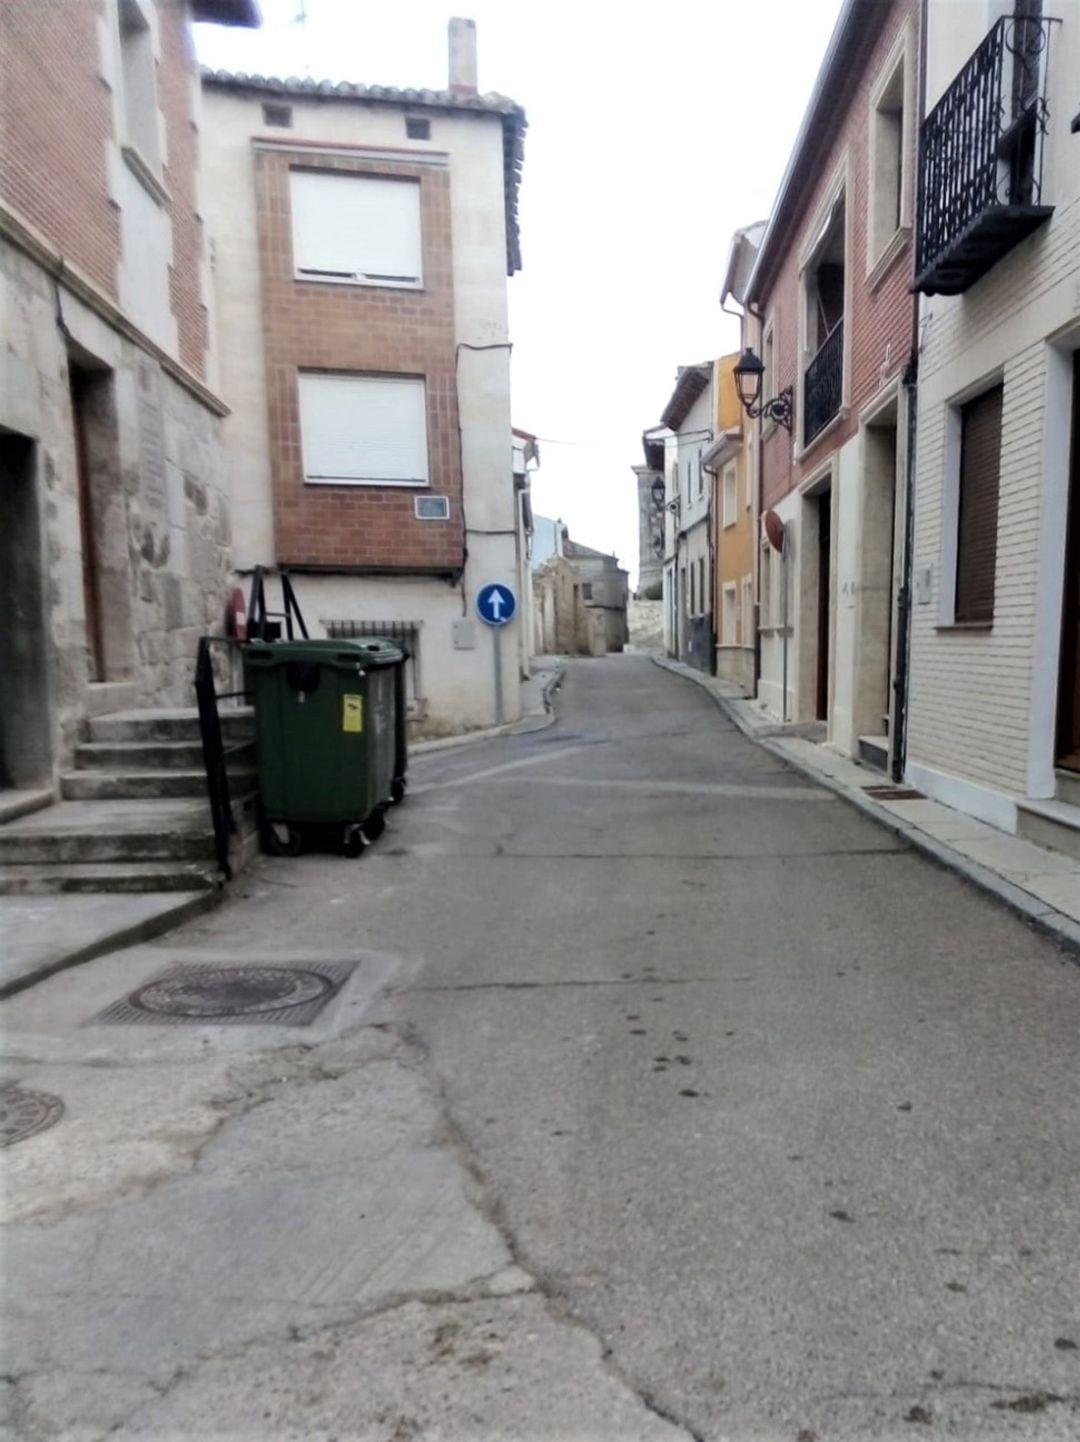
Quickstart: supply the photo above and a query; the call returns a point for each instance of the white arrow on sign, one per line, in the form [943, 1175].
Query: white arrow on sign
[497, 602]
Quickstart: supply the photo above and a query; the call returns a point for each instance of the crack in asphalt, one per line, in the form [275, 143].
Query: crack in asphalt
[566, 985]
[544, 1284]
[492, 1287]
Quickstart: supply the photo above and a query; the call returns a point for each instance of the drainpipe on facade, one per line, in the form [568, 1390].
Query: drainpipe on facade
[903, 600]
[757, 540]
[902, 679]
[784, 618]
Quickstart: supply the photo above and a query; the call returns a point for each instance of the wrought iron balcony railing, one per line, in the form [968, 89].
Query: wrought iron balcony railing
[981, 158]
[823, 384]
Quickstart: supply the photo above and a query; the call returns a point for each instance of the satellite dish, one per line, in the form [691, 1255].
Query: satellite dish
[774, 530]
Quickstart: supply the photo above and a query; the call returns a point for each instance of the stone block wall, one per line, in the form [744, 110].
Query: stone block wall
[158, 500]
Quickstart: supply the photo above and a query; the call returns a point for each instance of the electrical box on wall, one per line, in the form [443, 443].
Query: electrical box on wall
[924, 585]
[464, 635]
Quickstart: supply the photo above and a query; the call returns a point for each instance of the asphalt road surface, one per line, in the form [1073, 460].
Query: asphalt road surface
[734, 1119]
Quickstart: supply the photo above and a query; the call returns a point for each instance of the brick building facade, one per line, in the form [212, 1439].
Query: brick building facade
[830, 289]
[370, 445]
[113, 512]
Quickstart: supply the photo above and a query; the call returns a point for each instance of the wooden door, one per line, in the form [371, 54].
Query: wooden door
[95, 647]
[1068, 730]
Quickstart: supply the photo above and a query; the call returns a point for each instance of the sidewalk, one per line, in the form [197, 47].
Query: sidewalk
[40, 935]
[1041, 884]
[536, 710]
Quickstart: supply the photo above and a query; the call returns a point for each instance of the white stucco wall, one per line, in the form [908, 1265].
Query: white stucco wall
[686, 534]
[146, 253]
[770, 685]
[458, 682]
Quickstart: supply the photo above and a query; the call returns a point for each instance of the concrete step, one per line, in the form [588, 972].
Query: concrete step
[874, 751]
[128, 755]
[1054, 824]
[20, 801]
[178, 724]
[86, 831]
[1068, 786]
[122, 785]
[128, 878]
[105, 696]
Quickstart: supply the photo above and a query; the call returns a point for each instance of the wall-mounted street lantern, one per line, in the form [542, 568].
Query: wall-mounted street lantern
[749, 374]
[658, 492]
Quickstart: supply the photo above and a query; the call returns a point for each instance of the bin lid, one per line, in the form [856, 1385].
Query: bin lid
[382, 650]
[346, 653]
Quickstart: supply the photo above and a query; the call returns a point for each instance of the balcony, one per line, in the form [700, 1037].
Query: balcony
[823, 384]
[981, 157]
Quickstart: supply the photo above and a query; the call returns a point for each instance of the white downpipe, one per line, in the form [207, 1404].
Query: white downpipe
[784, 623]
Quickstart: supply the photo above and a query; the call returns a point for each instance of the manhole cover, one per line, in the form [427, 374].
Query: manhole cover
[237, 995]
[893, 793]
[24, 1112]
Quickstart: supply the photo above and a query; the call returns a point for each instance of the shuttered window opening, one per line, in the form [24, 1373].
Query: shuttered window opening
[977, 521]
[405, 633]
[363, 430]
[356, 229]
[728, 622]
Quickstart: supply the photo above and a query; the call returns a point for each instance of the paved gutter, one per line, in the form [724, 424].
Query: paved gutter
[830, 770]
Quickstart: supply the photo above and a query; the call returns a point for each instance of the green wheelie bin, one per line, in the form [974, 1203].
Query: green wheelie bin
[397, 654]
[325, 739]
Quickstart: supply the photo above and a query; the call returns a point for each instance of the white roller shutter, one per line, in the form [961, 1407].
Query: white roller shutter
[363, 429]
[356, 227]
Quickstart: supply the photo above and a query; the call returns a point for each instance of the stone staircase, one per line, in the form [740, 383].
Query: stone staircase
[134, 815]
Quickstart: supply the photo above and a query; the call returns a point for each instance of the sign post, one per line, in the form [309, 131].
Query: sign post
[496, 606]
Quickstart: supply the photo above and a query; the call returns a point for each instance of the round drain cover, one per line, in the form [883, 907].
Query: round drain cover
[232, 991]
[23, 1112]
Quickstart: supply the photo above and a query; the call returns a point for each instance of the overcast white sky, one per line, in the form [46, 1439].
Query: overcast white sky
[653, 134]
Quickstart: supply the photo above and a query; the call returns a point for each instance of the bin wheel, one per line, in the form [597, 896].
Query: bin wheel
[282, 839]
[354, 842]
[374, 826]
[397, 790]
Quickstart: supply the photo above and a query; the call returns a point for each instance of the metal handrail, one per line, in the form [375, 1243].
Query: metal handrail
[207, 696]
[258, 615]
[964, 142]
[213, 749]
[823, 384]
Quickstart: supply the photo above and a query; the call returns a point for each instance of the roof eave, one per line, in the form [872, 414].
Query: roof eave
[847, 36]
[688, 390]
[508, 112]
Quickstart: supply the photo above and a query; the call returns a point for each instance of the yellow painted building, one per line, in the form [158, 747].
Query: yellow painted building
[732, 460]
[729, 460]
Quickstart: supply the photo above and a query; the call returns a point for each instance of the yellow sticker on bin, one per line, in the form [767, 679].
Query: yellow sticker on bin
[352, 713]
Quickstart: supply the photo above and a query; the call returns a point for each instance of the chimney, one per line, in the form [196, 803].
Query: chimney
[462, 56]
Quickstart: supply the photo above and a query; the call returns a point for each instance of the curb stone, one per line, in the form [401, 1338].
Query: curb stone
[535, 721]
[191, 904]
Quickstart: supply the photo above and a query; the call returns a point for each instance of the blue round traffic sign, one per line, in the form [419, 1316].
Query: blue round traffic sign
[495, 604]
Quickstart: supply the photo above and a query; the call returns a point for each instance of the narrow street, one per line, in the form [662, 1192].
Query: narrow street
[669, 1097]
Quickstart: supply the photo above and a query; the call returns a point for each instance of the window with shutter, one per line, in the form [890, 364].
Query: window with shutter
[977, 520]
[356, 229]
[363, 430]
[730, 511]
[728, 633]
